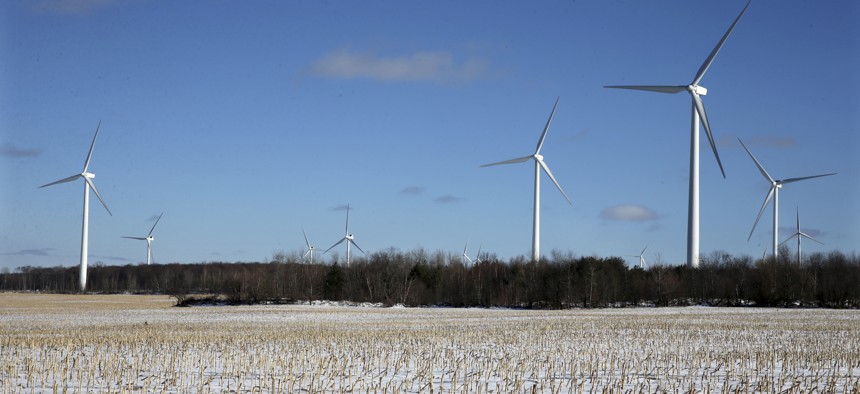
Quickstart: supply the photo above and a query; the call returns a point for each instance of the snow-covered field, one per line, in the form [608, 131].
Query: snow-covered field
[116, 343]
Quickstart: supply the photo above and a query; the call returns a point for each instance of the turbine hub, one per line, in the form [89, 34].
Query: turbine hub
[150, 238]
[700, 90]
[89, 175]
[538, 157]
[349, 237]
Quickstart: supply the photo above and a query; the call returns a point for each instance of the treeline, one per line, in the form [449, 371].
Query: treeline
[417, 278]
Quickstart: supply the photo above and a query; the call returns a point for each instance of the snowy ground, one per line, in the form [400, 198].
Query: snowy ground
[53, 343]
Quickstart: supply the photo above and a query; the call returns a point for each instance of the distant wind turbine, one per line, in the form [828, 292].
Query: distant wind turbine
[466, 258]
[698, 116]
[148, 238]
[800, 234]
[539, 163]
[88, 184]
[775, 185]
[311, 248]
[349, 238]
[641, 257]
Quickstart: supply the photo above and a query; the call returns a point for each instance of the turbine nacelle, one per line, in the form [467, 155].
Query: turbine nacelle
[88, 175]
[538, 157]
[699, 90]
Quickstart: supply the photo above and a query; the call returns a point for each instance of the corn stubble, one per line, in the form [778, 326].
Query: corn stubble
[140, 344]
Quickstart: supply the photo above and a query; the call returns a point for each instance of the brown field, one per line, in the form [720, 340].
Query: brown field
[125, 343]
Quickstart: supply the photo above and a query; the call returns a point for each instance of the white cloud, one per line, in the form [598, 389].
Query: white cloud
[418, 66]
[629, 212]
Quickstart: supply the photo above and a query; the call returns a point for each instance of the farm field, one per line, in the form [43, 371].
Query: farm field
[125, 343]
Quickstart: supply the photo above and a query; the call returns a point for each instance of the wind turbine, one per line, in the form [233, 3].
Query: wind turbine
[698, 116]
[539, 163]
[800, 234]
[148, 238]
[311, 248]
[775, 185]
[466, 258]
[349, 238]
[88, 184]
[641, 257]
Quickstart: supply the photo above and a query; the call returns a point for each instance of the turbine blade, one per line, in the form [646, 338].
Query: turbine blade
[710, 59]
[156, 223]
[90, 154]
[810, 237]
[798, 218]
[757, 164]
[306, 253]
[346, 229]
[465, 248]
[64, 180]
[336, 244]
[306, 238]
[140, 238]
[546, 128]
[788, 239]
[643, 250]
[700, 108]
[511, 161]
[790, 180]
[650, 88]
[356, 246]
[760, 212]
[548, 172]
[93, 186]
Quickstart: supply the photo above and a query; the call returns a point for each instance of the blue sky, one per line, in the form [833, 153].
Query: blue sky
[243, 122]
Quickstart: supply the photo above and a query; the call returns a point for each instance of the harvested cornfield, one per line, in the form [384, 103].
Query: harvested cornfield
[119, 343]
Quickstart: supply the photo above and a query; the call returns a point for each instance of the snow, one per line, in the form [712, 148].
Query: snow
[335, 347]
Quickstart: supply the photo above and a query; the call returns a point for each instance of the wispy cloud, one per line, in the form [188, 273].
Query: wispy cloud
[70, 6]
[31, 252]
[629, 212]
[787, 231]
[769, 141]
[342, 207]
[417, 66]
[413, 190]
[112, 258]
[9, 150]
[448, 199]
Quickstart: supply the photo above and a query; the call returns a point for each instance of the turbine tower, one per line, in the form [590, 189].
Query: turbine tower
[775, 185]
[148, 238]
[311, 248]
[800, 234]
[698, 116]
[88, 184]
[539, 164]
[349, 238]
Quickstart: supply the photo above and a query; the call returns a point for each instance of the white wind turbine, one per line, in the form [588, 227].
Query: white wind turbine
[800, 234]
[311, 248]
[148, 238]
[775, 185]
[539, 163]
[466, 258]
[349, 238]
[698, 116]
[641, 257]
[88, 184]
